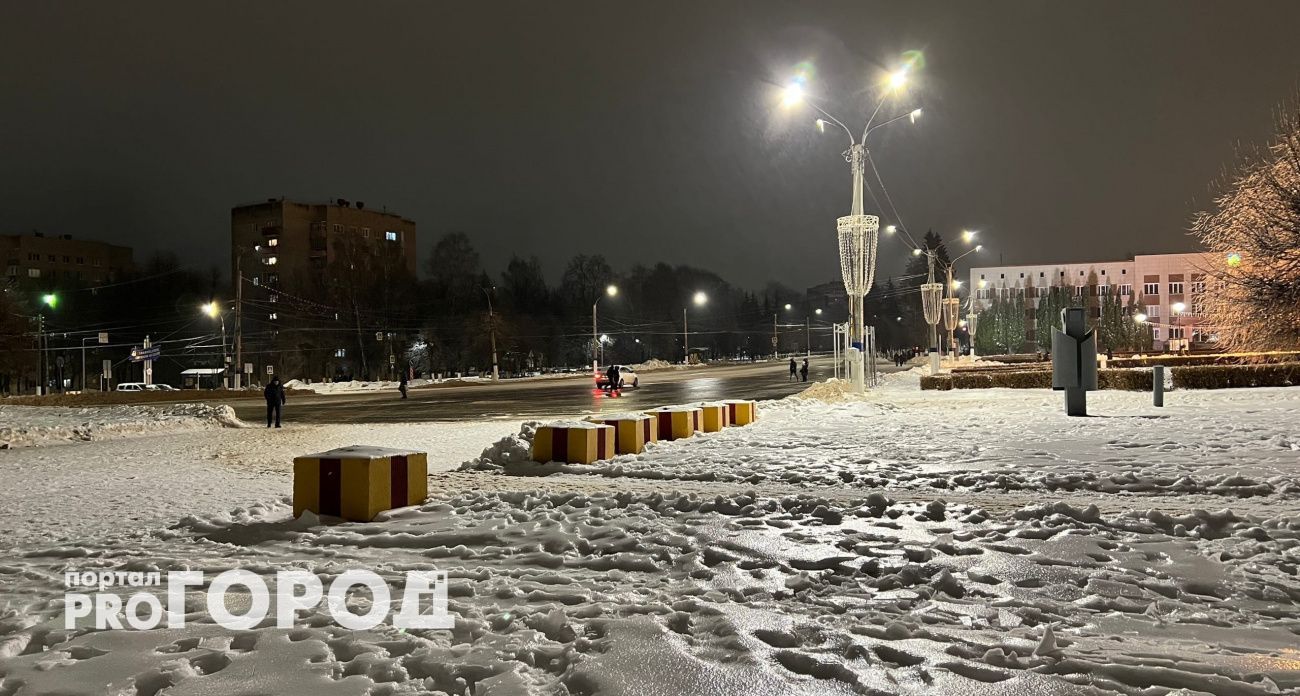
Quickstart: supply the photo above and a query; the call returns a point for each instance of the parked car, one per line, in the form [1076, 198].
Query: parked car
[131, 386]
[160, 387]
[626, 377]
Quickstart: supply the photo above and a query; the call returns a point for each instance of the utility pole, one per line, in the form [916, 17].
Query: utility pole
[239, 323]
[807, 336]
[41, 344]
[686, 345]
[775, 344]
[492, 332]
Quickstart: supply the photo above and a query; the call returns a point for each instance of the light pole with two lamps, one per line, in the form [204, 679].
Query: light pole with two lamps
[610, 291]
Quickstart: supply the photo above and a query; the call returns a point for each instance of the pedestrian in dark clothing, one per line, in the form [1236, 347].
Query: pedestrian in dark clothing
[803, 371]
[794, 370]
[274, 394]
[401, 386]
[612, 378]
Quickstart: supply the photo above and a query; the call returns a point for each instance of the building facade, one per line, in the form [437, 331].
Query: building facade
[1156, 285]
[293, 261]
[50, 262]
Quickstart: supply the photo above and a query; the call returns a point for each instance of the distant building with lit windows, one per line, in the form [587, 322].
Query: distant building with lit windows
[290, 254]
[1148, 284]
[49, 262]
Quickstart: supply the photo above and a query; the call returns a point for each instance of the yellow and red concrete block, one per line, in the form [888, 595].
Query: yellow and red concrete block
[677, 422]
[357, 483]
[576, 442]
[714, 417]
[741, 412]
[632, 431]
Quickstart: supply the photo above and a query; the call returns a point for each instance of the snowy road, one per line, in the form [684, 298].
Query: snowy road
[543, 398]
[910, 542]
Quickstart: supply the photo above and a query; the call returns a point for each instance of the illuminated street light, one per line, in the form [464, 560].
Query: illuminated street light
[793, 94]
[897, 80]
[890, 229]
[611, 290]
[700, 298]
[211, 309]
[50, 300]
[1178, 307]
[817, 311]
[967, 236]
[1140, 318]
[787, 305]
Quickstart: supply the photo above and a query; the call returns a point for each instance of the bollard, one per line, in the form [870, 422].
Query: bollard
[1158, 385]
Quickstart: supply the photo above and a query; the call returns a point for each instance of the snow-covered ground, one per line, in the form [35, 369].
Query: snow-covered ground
[905, 542]
[26, 426]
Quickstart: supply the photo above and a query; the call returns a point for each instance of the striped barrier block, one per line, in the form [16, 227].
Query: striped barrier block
[714, 417]
[632, 431]
[676, 422]
[742, 412]
[358, 482]
[576, 442]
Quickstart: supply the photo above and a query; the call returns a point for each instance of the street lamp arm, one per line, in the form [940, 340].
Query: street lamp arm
[832, 119]
[868, 128]
[878, 126]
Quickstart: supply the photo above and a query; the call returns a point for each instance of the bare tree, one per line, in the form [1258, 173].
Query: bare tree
[1253, 298]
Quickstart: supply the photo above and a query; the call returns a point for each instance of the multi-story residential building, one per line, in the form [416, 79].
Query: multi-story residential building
[1155, 285]
[39, 261]
[289, 254]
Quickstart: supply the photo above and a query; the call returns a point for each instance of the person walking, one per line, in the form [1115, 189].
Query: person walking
[794, 371]
[274, 394]
[803, 371]
[612, 378]
[401, 385]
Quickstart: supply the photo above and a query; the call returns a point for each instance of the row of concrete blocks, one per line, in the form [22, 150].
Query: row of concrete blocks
[603, 437]
[357, 483]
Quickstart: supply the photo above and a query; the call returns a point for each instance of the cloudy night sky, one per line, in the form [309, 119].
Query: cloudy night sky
[647, 132]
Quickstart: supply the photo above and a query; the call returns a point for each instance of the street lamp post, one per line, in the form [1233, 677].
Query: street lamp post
[858, 234]
[1178, 308]
[700, 298]
[213, 309]
[492, 334]
[43, 340]
[610, 291]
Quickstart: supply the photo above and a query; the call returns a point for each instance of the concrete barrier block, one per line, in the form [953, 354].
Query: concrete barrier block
[573, 442]
[632, 431]
[742, 412]
[676, 422]
[359, 482]
[714, 417]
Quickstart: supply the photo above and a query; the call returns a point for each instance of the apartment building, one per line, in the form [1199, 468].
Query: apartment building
[40, 261]
[1156, 285]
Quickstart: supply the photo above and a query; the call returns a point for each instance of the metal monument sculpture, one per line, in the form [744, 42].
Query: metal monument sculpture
[1074, 360]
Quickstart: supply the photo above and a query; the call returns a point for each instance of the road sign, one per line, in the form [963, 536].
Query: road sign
[108, 369]
[58, 361]
[248, 368]
[103, 337]
[142, 354]
[270, 369]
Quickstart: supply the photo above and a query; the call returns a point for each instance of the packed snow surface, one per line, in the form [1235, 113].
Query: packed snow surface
[29, 426]
[901, 542]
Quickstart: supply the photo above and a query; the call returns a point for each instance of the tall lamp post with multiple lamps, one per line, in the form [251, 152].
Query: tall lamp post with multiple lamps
[938, 308]
[858, 234]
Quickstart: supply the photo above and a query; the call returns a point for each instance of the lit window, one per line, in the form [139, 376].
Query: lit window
[270, 260]
[33, 273]
[257, 280]
[273, 241]
[390, 236]
[272, 316]
[365, 232]
[341, 353]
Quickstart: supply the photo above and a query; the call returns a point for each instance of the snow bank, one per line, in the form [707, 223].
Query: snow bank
[30, 426]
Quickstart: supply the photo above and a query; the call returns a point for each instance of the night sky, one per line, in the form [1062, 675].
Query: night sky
[647, 131]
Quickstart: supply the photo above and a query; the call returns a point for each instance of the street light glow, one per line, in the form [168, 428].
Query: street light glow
[611, 290]
[956, 284]
[983, 284]
[50, 300]
[897, 79]
[1178, 307]
[916, 252]
[890, 229]
[604, 338]
[817, 311]
[211, 309]
[700, 298]
[821, 126]
[1140, 318]
[967, 235]
[787, 305]
[916, 113]
[793, 94]
[979, 247]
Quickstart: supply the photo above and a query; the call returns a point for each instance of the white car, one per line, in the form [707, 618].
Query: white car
[131, 386]
[626, 377]
[160, 387]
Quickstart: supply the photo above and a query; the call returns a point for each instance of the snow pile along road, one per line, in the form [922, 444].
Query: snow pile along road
[31, 426]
